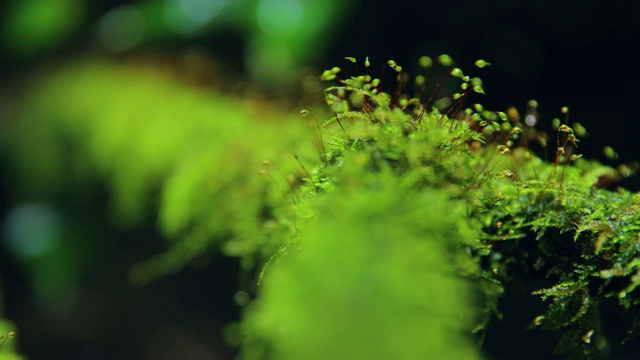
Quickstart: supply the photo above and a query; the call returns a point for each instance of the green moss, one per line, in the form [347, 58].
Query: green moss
[533, 219]
[397, 245]
[8, 341]
[361, 283]
[190, 158]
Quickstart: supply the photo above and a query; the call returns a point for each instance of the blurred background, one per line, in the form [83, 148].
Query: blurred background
[66, 288]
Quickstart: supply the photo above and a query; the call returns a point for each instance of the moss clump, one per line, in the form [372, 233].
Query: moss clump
[526, 218]
[362, 283]
[398, 245]
[192, 162]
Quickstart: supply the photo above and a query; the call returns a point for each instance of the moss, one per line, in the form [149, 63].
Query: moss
[187, 157]
[422, 209]
[533, 219]
[8, 349]
[361, 283]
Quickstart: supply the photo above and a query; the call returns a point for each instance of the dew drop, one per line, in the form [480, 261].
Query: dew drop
[530, 119]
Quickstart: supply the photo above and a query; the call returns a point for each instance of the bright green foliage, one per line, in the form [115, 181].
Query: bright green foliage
[579, 238]
[398, 246]
[191, 157]
[540, 220]
[549, 220]
[370, 277]
[377, 270]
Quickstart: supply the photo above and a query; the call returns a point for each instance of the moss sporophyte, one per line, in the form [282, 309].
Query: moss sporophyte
[539, 211]
[8, 345]
[4, 338]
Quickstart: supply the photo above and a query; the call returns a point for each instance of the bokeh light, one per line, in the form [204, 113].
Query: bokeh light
[188, 16]
[280, 18]
[121, 28]
[33, 26]
[31, 230]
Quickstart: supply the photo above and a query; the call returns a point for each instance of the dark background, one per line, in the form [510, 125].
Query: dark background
[578, 53]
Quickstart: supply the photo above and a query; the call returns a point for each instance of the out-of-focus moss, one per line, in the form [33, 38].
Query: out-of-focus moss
[370, 277]
[8, 341]
[191, 156]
